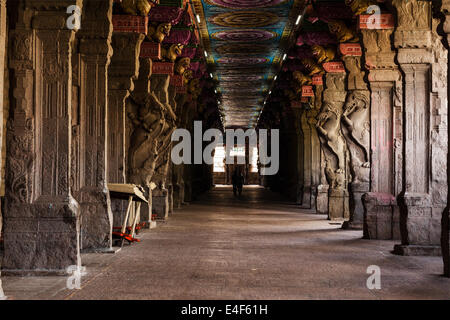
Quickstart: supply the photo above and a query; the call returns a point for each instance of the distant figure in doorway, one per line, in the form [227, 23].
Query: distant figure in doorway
[238, 181]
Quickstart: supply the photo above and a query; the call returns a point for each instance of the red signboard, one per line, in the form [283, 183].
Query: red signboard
[307, 91]
[334, 67]
[317, 80]
[350, 49]
[151, 50]
[176, 80]
[129, 23]
[163, 68]
[376, 21]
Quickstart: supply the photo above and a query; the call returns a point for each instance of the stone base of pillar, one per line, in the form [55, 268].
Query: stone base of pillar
[170, 198]
[314, 197]
[178, 195]
[416, 250]
[357, 190]
[160, 203]
[420, 225]
[306, 202]
[322, 199]
[338, 205]
[187, 192]
[96, 219]
[381, 217]
[299, 196]
[2, 294]
[445, 241]
[42, 238]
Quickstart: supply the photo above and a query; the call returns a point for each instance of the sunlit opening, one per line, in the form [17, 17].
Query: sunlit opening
[219, 157]
[254, 160]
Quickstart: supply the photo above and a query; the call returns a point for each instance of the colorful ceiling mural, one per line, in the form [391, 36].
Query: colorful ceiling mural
[245, 41]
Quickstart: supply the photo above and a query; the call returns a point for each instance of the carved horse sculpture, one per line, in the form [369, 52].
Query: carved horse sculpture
[356, 118]
[328, 125]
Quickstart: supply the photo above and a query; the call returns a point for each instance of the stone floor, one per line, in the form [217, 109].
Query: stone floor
[256, 247]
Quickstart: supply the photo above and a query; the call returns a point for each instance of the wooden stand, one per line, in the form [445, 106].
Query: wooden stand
[135, 197]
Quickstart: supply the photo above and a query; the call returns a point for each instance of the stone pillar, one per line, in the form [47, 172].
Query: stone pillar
[315, 145]
[356, 129]
[422, 59]
[334, 146]
[299, 156]
[381, 214]
[89, 173]
[123, 70]
[147, 122]
[42, 219]
[321, 199]
[307, 160]
[160, 195]
[445, 225]
[3, 32]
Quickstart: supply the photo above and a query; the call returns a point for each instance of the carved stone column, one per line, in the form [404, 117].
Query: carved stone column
[299, 156]
[42, 221]
[311, 116]
[307, 160]
[160, 196]
[3, 33]
[145, 113]
[381, 214]
[89, 176]
[445, 225]
[424, 194]
[335, 146]
[356, 129]
[321, 199]
[123, 70]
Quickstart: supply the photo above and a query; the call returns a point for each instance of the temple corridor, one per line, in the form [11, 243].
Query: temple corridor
[257, 247]
[128, 129]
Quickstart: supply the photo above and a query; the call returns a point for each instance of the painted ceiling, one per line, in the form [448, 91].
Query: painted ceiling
[245, 41]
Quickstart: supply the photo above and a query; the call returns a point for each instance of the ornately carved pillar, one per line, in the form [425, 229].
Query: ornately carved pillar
[3, 32]
[42, 219]
[356, 129]
[334, 146]
[381, 213]
[311, 115]
[160, 196]
[299, 156]
[91, 174]
[307, 160]
[123, 70]
[422, 58]
[445, 224]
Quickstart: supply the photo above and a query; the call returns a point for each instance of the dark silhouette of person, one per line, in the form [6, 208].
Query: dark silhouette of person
[238, 181]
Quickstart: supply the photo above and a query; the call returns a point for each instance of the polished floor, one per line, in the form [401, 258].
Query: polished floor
[255, 247]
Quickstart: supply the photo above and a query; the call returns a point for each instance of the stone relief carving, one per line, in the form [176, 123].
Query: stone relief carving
[328, 125]
[356, 118]
[148, 122]
[342, 32]
[172, 53]
[323, 54]
[158, 33]
[413, 14]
